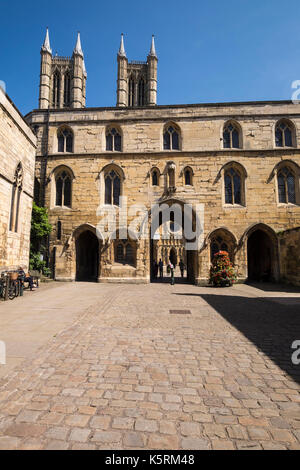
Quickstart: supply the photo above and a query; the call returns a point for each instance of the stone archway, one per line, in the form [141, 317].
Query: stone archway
[262, 255]
[87, 257]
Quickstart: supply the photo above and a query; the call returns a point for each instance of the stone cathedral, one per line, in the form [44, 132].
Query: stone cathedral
[239, 161]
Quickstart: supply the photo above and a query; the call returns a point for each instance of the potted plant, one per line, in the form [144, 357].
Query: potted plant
[222, 273]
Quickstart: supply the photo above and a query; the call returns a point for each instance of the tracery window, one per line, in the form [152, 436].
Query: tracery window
[233, 187]
[286, 186]
[218, 244]
[67, 90]
[284, 134]
[171, 138]
[141, 92]
[56, 89]
[131, 92]
[112, 188]
[231, 136]
[113, 140]
[125, 253]
[65, 140]
[63, 183]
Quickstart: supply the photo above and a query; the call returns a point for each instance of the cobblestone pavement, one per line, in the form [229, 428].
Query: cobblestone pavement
[127, 374]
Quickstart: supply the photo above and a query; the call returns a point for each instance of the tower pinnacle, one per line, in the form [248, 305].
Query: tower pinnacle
[78, 48]
[152, 50]
[46, 46]
[122, 52]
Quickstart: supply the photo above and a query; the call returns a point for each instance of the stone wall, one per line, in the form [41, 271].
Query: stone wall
[290, 255]
[201, 149]
[17, 145]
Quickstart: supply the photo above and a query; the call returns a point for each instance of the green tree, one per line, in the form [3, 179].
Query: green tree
[40, 230]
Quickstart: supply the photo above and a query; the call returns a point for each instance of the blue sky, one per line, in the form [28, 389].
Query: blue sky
[209, 51]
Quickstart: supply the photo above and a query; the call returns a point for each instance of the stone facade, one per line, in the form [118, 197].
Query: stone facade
[17, 161]
[247, 227]
[290, 255]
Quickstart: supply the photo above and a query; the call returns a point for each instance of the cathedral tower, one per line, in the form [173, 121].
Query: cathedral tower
[62, 79]
[137, 81]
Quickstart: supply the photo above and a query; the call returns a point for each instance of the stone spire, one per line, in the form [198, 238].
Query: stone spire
[46, 46]
[78, 49]
[152, 50]
[122, 52]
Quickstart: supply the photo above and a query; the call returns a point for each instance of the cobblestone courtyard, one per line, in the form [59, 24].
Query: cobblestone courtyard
[109, 367]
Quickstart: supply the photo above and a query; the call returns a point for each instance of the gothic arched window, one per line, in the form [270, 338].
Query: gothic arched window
[67, 90]
[112, 188]
[56, 89]
[217, 245]
[63, 184]
[59, 230]
[171, 138]
[188, 177]
[15, 199]
[131, 92]
[65, 140]
[113, 140]
[284, 134]
[155, 177]
[286, 186]
[141, 92]
[231, 136]
[233, 187]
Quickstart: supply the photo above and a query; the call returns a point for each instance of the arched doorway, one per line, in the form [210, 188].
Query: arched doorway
[87, 257]
[169, 244]
[261, 256]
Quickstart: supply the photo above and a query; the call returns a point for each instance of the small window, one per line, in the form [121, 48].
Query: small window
[141, 91]
[171, 138]
[65, 140]
[113, 140]
[67, 90]
[231, 137]
[155, 178]
[284, 134]
[286, 186]
[59, 230]
[63, 189]
[188, 177]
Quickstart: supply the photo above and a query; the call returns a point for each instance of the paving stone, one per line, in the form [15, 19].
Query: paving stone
[146, 425]
[79, 435]
[190, 443]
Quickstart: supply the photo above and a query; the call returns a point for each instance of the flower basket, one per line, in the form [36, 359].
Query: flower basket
[222, 273]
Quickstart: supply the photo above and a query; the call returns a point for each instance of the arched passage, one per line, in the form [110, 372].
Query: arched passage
[171, 240]
[87, 257]
[262, 256]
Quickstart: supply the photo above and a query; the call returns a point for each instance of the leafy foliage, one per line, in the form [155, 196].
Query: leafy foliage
[222, 272]
[40, 229]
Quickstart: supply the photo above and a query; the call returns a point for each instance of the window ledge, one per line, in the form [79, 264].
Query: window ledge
[287, 205]
[62, 208]
[234, 206]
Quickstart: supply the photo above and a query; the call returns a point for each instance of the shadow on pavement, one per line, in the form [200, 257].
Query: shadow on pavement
[272, 324]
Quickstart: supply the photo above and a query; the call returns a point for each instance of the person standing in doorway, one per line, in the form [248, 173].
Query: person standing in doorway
[182, 267]
[161, 268]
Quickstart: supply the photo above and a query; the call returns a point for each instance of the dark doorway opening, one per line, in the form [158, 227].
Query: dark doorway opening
[260, 251]
[87, 257]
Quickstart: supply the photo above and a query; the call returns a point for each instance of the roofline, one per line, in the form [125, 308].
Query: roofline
[163, 106]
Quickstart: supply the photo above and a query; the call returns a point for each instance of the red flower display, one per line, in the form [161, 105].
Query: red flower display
[222, 272]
